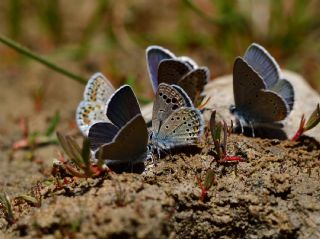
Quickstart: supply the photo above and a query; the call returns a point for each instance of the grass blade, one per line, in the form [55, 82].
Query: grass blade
[53, 124]
[313, 120]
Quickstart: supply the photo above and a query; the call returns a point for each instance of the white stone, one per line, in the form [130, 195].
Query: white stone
[221, 93]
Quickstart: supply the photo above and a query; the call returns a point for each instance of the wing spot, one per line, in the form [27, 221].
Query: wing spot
[174, 107]
[168, 101]
[174, 100]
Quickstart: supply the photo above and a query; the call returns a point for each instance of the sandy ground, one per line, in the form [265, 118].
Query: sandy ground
[275, 193]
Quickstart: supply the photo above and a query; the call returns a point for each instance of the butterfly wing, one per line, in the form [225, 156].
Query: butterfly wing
[171, 71]
[183, 127]
[122, 106]
[101, 133]
[263, 63]
[89, 113]
[267, 107]
[98, 89]
[155, 54]
[168, 99]
[245, 81]
[97, 92]
[251, 99]
[129, 144]
[285, 89]
[189, 61]
[193, 83]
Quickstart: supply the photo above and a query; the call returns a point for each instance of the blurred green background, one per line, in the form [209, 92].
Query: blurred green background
[111, 35]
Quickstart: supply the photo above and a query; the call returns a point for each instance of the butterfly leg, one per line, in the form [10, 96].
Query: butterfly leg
[155, 159]
[252, 129]
[241, 123]
[168, 151]
[159, 153]
[149, 154]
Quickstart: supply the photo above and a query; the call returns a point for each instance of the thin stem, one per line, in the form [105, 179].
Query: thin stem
[198, 11]
[203, 190]
[300, 131]
[24, 51]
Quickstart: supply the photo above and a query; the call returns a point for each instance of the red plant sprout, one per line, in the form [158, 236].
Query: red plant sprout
[24, 127]
[221, 147]
[203, 190]
[34, 139]
[209, 180]
[79, 164]
[231, 159]
[38, 95]
[306, 125]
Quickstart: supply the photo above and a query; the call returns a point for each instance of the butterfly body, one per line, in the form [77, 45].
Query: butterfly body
[175, 122]
[165, 67]
[125, 139]
[261, 96]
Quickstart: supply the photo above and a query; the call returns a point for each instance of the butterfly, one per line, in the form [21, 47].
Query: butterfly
[96, 94]
[261, 96]
[165, 67]
[125, 138]
[175, 121]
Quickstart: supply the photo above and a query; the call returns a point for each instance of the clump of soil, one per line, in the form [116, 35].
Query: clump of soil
[275, 193]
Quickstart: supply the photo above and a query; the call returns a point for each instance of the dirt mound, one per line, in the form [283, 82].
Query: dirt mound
[274, 193]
